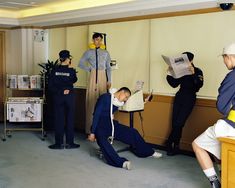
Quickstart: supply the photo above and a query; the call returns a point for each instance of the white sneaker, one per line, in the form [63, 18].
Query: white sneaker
[127, 165]
[157, 155]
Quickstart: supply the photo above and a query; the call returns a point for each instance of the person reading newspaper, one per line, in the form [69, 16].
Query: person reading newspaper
[179, 65]
[184, 101]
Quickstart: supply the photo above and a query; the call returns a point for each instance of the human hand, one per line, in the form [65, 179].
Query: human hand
[108, 85]
[149, 97]
[91, 137]
[169, 70]
[191, 69]
[66, 92]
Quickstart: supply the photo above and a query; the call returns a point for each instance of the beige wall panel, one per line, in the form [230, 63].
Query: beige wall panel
[57, 42]
[128, 44]
[77, 43]
[205, 35]
[13, 52]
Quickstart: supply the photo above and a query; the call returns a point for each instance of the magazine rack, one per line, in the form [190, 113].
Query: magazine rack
[25, 106]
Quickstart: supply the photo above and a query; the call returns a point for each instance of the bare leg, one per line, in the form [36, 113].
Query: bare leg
[203, 157]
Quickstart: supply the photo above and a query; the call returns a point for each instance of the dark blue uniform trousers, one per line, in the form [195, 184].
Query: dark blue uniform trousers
[182, 108]
[124, 134]
[64, 118]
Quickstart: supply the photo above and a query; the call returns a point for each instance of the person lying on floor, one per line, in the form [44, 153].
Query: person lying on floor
[104, 130]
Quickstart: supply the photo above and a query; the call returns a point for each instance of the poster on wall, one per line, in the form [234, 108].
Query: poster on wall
[38, 35]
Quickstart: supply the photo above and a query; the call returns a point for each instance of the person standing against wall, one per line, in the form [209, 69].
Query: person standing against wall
[60, 84]
[96, 61]
[184, 102]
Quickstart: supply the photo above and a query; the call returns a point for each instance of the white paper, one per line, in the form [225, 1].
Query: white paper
[35, 81]
[11, 81]
[180, 65]
[139, 85]
[23, 81]
[134, 103]
[24, 109]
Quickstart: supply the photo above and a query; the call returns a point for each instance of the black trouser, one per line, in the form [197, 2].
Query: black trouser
[64, 118]
[182, 107]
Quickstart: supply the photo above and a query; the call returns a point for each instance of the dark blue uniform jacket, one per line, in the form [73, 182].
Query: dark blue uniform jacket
[188, 83]
[62, 78]
[101, 115]
[226, 97]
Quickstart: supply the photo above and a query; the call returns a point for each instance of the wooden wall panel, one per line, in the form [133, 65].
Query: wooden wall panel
[157, 120]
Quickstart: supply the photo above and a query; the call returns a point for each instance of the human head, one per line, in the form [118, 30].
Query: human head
[229, 56]
[65, 56]
[123, 94]
[189, 55]
[97, 39]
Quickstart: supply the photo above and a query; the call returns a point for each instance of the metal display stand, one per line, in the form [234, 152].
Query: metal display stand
[25, 100]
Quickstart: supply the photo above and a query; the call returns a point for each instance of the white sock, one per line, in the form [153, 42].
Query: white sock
[127, 165]
[157, 155]
[210, 172]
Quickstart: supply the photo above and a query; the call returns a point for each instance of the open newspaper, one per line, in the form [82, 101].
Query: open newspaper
[180, 65]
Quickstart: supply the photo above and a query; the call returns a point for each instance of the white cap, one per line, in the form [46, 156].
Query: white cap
[229, 50]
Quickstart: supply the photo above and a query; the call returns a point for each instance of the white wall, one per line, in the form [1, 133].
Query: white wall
[77, 43]
[13, 52]
[127, 43]
[39, 50]
[23, 53]
[137, 47]
[205, 35]
[71, 38]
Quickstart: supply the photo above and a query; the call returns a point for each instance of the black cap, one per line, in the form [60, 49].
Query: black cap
[189, 55]
[64, 54]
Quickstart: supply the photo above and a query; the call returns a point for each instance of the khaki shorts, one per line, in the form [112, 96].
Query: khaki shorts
[208, 140]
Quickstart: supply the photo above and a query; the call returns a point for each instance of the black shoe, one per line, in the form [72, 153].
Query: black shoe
[173, 149]
[169, 148]
[56, 146]
[72, 146]
[215, 183]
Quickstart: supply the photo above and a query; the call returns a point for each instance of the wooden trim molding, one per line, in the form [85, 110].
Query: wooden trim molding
[170, 99]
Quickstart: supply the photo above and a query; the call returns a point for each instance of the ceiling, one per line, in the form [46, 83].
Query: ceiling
[24, 4]
[42, 13]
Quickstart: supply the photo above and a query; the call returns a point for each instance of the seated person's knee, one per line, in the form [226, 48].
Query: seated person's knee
[194, 145]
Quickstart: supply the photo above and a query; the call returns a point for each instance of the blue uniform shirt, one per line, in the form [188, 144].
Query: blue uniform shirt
[104, 61]
[62, 78]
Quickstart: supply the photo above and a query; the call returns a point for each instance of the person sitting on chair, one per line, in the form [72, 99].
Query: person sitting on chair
[104, 130]
[207, 143]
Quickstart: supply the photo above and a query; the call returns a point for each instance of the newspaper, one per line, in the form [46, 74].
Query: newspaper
[11, 81]
[180, 65]
[139, 85]
[35, 81]
[24, 112]
[23, 81]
